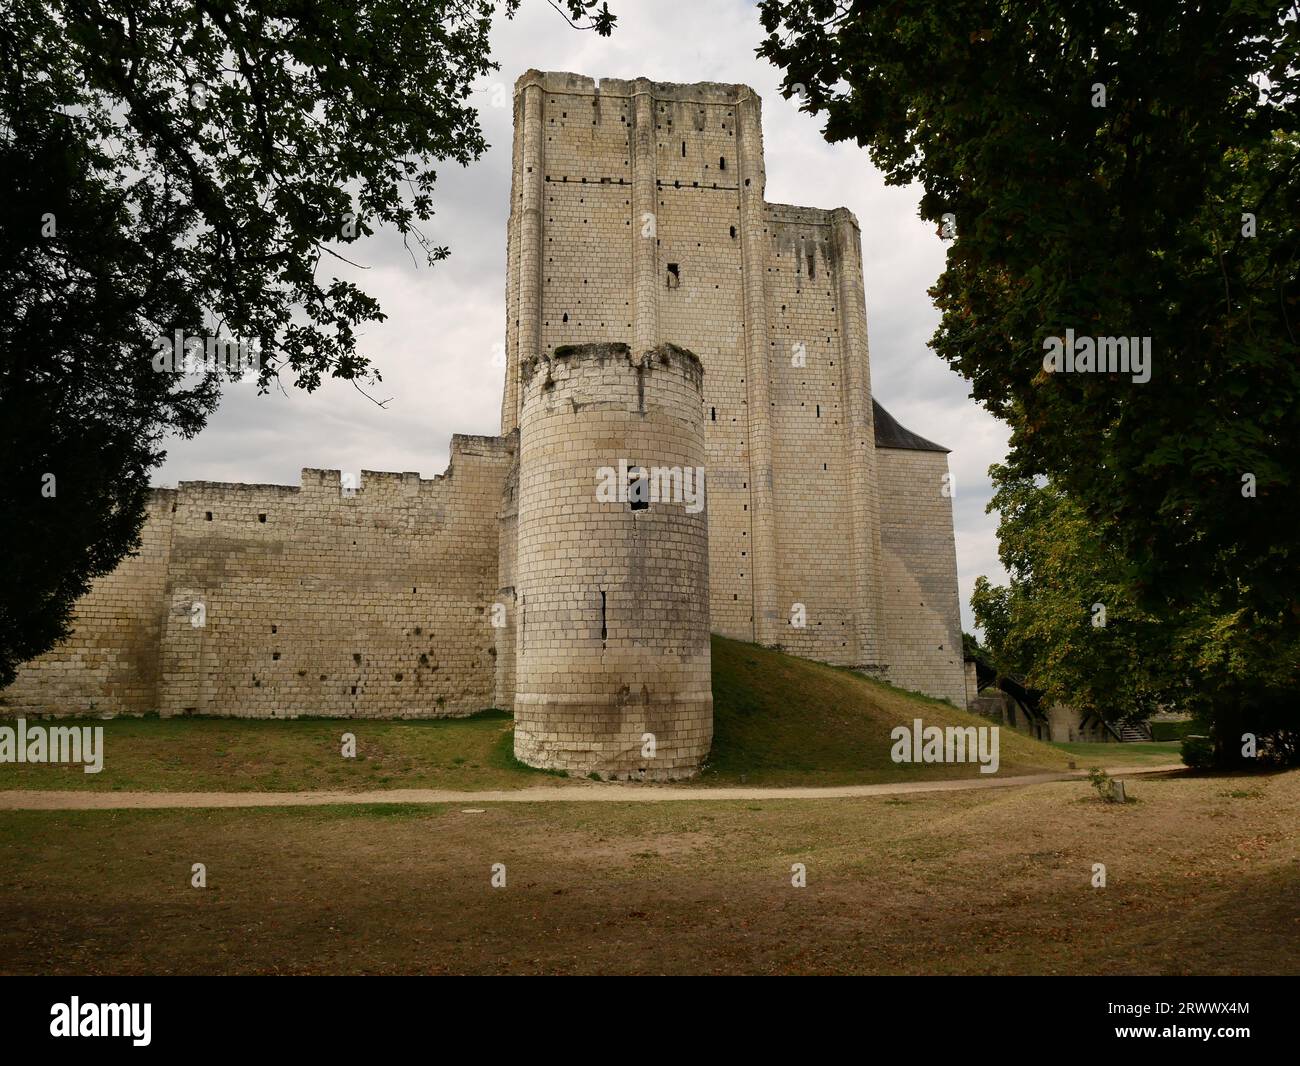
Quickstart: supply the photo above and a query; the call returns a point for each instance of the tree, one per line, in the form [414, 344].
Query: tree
[1067, 622]
[1070, 623]
[181, 171]
[1111, 171]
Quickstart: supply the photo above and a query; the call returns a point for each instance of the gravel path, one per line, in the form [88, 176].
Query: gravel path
[32, 800]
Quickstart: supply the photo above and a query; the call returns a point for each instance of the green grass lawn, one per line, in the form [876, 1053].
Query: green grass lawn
[1141, 753]
[238, 754]
[778, 721]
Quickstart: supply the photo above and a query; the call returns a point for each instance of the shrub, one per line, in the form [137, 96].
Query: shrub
[1176, 730]
[1198, 752]
[1103, 783]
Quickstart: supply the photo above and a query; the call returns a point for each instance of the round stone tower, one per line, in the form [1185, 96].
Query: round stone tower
[612, 566]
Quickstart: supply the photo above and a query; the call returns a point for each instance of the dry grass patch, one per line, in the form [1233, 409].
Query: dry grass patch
[1200, 880]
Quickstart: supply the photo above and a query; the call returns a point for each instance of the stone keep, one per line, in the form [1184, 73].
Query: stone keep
[612, 586]
[637, 218]
[638, 215]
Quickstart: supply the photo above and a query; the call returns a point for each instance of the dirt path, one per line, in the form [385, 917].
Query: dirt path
[31, 800]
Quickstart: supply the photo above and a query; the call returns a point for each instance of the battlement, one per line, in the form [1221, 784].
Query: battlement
[570, 84]
[588, 364]
[321, 481]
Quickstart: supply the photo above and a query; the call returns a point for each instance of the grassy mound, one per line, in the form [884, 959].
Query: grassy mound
[778, 720]
[781, 720]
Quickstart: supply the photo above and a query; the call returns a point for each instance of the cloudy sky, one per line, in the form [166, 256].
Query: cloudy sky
[435, 350]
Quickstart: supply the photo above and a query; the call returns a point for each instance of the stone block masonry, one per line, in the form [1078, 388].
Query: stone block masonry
[922, 627]
[112, 662]
[637, 224]
[271, 601]
[638, 215]
[612, 660]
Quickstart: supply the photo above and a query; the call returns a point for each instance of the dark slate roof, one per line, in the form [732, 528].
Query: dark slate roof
[889, 434]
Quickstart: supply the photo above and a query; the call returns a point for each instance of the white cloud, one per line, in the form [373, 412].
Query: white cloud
[434, 351]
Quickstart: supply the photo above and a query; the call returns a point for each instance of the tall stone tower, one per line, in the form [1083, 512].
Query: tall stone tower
[638, 216]
[612, 667]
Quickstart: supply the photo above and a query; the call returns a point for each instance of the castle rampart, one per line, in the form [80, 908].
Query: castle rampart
[637, 224]
[360, 597]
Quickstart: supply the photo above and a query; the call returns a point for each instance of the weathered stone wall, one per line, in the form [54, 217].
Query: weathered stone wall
[365, 601]
[823, 445]
[507, 602]
[922, 627]
[613, 616]
[1066, 726]
[614, 182]
[111, 663]
[637, 215]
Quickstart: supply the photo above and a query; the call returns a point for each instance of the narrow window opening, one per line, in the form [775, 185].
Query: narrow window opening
[674, 276]
[683, 149]
[604, 629]
[713, 413]
[638, 490]
[566, 317]
[722, 162]
[261, 518]
[733, 232]
[819, 410]
[207, 517]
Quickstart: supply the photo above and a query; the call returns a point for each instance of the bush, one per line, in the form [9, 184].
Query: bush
[1099, 779]
[1176, 730]
[1104, 784]
[1198, 752]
